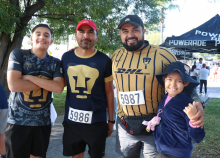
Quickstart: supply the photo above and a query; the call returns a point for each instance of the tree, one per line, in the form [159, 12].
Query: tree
[17, 17]
[163, 8]
[153, 37]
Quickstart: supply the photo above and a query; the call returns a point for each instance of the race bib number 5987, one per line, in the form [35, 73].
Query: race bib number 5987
[80, 116]
[131, 98]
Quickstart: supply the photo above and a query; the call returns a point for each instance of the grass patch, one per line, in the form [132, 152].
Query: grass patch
[210, 146]
[59, 102]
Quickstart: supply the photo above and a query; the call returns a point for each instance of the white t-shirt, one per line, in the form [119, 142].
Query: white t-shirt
[199, 66]
[203, 74]
[193, 73]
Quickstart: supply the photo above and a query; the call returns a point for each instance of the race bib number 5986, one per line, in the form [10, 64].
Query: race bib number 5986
[80, 116]
[131, 98]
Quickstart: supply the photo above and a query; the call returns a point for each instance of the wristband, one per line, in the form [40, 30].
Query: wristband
[111, 121]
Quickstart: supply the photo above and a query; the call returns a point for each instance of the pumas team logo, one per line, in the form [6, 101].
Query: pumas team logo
[146, 61]
[187, 69]
[85, 22]
[82, 79]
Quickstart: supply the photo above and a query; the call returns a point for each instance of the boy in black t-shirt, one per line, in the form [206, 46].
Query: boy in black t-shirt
[32, 76]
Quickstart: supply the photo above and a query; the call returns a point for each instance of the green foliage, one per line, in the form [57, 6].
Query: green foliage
[8, 17]
[63, 16]
[153, 37]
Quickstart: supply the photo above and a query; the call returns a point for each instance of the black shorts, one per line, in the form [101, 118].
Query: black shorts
[76, 136]
[21, 141]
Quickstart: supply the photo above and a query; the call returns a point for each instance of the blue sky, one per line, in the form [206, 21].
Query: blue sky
[192, 14]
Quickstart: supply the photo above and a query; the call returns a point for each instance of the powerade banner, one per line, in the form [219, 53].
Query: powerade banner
[206, 36]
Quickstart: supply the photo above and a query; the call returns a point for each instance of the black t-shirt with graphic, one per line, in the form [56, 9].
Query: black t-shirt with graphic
[86, 77]
[32, 108]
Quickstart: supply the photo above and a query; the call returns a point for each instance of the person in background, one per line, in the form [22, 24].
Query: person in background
[203, 74]
[194, 72]
[207, 66]
[3, 120]
[199, 67]
[215, 72]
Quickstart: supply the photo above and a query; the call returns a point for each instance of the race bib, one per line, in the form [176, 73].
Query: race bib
[80, 116]
[132, 98]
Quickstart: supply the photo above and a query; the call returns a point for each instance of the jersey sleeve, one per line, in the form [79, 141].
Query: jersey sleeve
[108, 71]
[166, 56]
[15, 60]
[58, 71]
[113, 56]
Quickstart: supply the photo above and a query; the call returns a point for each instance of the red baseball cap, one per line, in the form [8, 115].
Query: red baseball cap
[86, 22]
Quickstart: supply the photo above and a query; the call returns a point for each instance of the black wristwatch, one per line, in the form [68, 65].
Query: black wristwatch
[111, 121]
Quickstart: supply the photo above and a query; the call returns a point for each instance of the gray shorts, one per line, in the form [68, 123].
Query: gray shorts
[129, 146]
[3, 119]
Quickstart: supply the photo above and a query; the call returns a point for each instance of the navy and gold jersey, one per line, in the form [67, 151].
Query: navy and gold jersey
[135, 71]
[32, 108]
[86, 77]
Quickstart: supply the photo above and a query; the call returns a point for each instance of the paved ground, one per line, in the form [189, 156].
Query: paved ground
[55, 147]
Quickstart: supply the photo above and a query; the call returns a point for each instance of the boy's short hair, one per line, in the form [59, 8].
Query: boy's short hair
[200, 59]
[42, 25]
[203, 65]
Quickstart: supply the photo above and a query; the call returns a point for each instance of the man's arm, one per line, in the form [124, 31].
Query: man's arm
[2, 144]
[56, 85]
[110, 101]
[65, 82]
[17, 84]
[199, 117]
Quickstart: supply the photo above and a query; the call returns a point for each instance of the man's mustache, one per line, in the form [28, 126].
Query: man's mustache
[131, 38]
[86, 40]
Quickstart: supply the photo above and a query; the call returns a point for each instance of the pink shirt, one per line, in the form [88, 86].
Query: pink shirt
[167, 99]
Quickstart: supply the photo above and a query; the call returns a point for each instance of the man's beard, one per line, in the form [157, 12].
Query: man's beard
[133, 47]
[86, 46]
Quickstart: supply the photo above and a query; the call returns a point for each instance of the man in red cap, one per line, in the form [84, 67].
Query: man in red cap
[88, 76]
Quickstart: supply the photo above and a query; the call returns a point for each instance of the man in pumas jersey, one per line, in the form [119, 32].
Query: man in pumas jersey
[32, 76]
[139, 93]
[88, 76]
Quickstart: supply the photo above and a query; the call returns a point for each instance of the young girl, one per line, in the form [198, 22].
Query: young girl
[175, 132]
